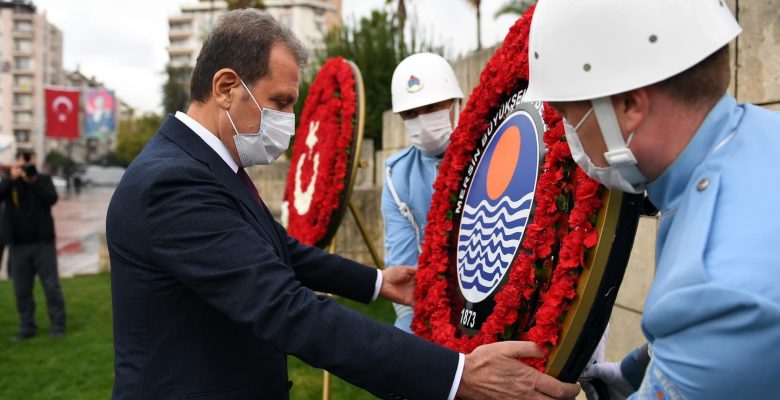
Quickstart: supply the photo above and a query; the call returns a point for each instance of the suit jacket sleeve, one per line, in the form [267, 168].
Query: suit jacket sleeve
[198, 234]
[329, 273]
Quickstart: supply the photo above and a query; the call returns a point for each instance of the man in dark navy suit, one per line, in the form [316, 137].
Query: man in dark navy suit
[210, 294]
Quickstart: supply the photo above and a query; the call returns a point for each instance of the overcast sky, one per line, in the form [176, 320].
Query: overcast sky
[123, 42]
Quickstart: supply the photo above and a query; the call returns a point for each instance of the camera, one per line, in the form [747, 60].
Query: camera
[29, 168]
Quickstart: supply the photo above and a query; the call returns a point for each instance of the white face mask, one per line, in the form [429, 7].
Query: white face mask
[617, 175]
[431, 132]
[272, 139]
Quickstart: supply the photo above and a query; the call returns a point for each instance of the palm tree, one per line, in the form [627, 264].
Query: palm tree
[476, 4]
[514, 7]
[400, 13]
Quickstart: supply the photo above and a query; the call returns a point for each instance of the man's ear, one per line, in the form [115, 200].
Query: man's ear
[224, 81]
[632, 108]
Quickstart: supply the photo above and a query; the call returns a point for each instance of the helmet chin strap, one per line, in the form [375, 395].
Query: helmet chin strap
[618, 154]
[457, 114]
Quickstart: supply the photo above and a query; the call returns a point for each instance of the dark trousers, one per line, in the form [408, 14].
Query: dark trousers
[24, 262]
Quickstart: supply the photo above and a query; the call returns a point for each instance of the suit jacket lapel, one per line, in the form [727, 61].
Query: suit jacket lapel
[188, 140]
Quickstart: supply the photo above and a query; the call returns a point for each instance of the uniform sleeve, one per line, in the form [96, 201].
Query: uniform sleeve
[400, 237]
[713, 342]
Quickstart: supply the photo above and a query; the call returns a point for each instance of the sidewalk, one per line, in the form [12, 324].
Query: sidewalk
[79, 222]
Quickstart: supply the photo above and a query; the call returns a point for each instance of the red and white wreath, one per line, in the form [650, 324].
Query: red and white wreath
[321, 154]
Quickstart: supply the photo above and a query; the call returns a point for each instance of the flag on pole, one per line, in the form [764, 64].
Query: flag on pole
[62, 113]
[100, 113]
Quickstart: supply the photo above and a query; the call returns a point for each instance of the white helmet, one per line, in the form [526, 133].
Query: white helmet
[423, 79]
[581, 50]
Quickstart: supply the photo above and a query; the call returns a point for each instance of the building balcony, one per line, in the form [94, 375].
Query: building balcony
[181, 64]
[22, 107]
[22, 71]
[175, 50]
[23, 125]
[180, 18]
[23, 34]
[180, 34]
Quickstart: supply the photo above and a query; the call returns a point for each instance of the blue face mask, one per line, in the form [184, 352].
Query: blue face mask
[271, 140]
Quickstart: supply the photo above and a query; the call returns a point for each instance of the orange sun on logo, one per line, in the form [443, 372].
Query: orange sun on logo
[503, 163]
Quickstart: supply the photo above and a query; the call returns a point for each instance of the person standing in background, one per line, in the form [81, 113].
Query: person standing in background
[426, 95]
[28, 227]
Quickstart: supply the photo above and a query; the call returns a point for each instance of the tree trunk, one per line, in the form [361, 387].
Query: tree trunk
[401, 16]
[479, 26]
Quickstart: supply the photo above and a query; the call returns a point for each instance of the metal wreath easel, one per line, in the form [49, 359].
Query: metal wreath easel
[330, 242]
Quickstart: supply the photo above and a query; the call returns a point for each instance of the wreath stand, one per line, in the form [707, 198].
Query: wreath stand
[357, 163]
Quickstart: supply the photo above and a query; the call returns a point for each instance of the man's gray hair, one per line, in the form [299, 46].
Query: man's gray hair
[241, 40]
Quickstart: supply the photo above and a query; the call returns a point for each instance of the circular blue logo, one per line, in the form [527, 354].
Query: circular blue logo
[497, 206]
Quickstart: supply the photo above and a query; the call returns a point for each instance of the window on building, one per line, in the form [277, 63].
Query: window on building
[23, 117]
[23, 82]
[286, 19]
[178, 42]
[23, 26]
[181, 27]
[22, 63]
[24, 45]
[22, 100]
[22, 135]
[182, 59]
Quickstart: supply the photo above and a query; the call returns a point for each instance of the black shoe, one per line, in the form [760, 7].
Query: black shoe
[56, 335]
[22, 336]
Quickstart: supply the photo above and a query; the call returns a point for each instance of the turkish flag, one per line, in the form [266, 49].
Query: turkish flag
[62, 113]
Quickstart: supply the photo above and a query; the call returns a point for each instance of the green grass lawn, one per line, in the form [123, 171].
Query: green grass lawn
[80, 365]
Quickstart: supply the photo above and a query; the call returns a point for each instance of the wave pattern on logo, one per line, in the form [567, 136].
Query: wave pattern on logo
[486, 243]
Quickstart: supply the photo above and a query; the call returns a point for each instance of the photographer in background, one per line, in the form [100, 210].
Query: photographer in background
[29, 230]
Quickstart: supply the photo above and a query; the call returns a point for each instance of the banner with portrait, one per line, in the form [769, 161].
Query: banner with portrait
[100, 111]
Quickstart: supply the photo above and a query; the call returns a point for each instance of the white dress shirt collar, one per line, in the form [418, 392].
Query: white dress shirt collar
[210, 139]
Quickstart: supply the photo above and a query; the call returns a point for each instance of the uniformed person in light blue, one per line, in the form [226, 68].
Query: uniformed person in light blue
[642, 87]
[426, 96]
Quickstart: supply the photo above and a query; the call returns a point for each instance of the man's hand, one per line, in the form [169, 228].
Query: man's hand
[16, 173]
[398, 284]
[494, 371]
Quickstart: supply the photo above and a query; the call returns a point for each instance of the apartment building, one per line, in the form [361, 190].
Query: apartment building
[31, 58]
[309, 19]
[188, 30]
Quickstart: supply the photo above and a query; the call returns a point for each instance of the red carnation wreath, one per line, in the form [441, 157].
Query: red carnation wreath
[542, 281]
[322, 153]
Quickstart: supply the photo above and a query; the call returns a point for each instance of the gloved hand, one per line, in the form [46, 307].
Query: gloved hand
[621, 378]
[609, 373]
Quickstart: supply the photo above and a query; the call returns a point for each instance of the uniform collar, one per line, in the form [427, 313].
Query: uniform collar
[428, 157]
[210, 139]
[666, 191]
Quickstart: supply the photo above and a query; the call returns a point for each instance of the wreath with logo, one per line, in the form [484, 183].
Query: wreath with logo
[533, 295]
[322, 154]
